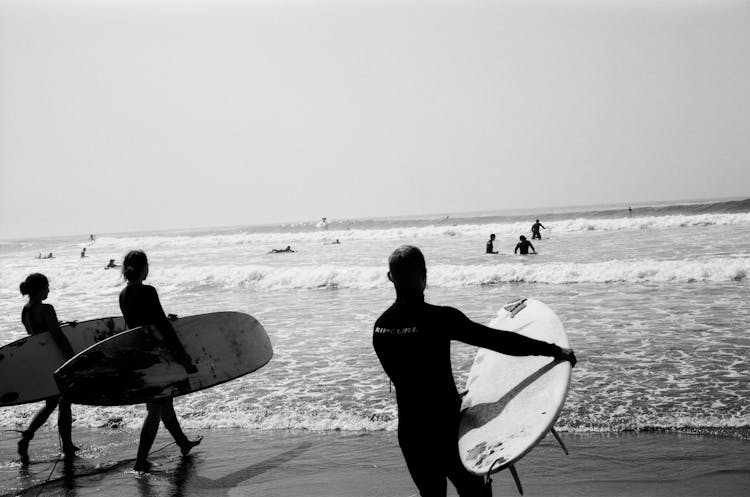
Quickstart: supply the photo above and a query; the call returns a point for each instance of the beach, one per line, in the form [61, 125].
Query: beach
[654, 302]
[296, 463]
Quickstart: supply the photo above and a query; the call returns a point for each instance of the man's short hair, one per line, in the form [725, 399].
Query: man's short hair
[406, 265]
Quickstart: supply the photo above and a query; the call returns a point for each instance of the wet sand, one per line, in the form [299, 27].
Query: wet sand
[299, 463]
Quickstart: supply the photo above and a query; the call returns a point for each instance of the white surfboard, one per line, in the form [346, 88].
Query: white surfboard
[513, 402]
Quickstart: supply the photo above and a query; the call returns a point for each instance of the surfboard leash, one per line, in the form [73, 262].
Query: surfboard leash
[488, 478]
[51, 471]
[513, 472]
[487, 489]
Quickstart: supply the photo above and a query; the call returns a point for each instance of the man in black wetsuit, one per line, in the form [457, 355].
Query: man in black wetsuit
[524, 245]
[490, 249]
[413, 342]
[535, 230]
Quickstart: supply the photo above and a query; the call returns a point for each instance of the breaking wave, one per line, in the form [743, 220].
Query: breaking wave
[474, 228]
[451, 276]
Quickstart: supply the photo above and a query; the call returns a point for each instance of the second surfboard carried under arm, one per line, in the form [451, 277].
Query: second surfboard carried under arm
[138, 366]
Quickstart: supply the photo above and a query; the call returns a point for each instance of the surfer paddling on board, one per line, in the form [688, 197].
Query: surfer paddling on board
[281, 251]
[140, 306]
[524, 245]
[490, 249]
[38, 317]
[412, 340]
[535, 230]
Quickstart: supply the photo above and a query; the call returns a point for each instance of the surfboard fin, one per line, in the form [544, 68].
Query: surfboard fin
[559, 440]
[513, 472]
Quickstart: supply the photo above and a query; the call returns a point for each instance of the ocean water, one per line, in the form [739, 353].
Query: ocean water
[655, 303]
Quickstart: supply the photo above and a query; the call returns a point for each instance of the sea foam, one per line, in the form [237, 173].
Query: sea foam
[469, 230]
[452, 275]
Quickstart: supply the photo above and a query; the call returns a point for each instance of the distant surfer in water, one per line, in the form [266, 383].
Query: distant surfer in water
[111, 264]
[281, 251]
[524, 245]
[140, 306]
[490, 249]
[38, 317]
[535, 230]
[83, 253]
[412, 340]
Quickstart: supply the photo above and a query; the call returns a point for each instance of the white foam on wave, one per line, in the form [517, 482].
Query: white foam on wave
[328, 417]
[267, 277]
[422, 232]
[646, 422]
[453, 276]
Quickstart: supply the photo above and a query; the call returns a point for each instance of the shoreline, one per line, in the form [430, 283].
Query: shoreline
[298, 463]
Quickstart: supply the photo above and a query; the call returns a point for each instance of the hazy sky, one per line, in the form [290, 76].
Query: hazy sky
[121, 115]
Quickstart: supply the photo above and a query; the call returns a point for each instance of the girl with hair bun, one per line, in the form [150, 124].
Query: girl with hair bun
[38, 317]
[140, 306]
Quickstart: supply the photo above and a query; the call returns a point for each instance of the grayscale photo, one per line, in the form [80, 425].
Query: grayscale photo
[374, 248]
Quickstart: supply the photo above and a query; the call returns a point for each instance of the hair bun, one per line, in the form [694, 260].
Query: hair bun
[33, 283]
[133, 263]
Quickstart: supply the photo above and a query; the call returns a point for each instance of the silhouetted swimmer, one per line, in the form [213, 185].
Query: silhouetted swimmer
[83, 253]
[49, 256]
[490, 249]
[111, 264]
[337, 242]
[535, 230]
[281, 251]
[140, 306]
[524, 245]
[38, 317]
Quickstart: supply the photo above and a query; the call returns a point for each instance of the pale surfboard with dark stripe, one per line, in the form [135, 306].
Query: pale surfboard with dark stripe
[139, 366]
[513, 402]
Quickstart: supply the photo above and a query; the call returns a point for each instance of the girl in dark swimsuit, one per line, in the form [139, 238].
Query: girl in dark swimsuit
[140, 306]
[38, 317]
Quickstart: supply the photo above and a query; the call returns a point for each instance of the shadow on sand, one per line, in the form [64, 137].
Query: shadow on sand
[183, 480]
